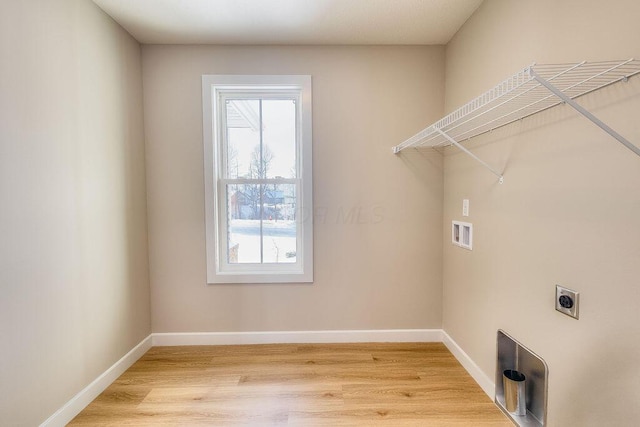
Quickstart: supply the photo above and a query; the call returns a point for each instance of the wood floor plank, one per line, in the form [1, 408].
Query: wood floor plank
[378, 384]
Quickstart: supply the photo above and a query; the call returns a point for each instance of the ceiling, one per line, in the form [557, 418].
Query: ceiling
[333, 22]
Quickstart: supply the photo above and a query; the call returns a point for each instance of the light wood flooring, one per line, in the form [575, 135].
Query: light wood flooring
[295, 385]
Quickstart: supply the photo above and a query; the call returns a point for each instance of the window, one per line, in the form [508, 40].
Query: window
[257, 146]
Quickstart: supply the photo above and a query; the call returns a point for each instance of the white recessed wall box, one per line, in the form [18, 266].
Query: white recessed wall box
[462, 234]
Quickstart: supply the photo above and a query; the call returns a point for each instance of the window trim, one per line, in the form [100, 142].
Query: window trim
[213, 87]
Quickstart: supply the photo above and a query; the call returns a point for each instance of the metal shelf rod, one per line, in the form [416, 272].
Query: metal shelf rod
[602, 125]
[482, 162]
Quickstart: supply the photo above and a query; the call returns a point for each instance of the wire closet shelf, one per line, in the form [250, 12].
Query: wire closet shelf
[529, 91]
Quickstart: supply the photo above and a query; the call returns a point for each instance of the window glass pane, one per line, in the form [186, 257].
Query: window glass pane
[261, 210]
[279, 225]
[279, 138]
[243, 231]
[243, 137]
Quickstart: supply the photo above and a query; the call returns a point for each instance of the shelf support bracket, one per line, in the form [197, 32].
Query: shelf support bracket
[476, 158]
[584, 112]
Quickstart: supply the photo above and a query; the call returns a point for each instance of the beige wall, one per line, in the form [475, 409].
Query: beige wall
[567, 212]
[381, 270]
[73, 221]
[73, 246]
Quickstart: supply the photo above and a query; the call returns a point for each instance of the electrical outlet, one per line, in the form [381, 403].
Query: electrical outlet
[567, 301]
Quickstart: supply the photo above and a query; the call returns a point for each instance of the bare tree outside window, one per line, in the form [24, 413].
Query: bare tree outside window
[256, 195]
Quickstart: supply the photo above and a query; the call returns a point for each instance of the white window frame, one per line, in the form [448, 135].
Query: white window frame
[214, 89]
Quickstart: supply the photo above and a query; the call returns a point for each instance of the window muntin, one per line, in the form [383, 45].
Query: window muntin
[260, 141]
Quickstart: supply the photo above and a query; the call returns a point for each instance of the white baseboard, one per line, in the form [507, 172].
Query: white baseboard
[474, 370]
[78, 402]
[288, 337]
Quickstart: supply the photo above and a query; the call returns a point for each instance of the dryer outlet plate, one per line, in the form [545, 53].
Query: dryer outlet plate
[567, 301]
